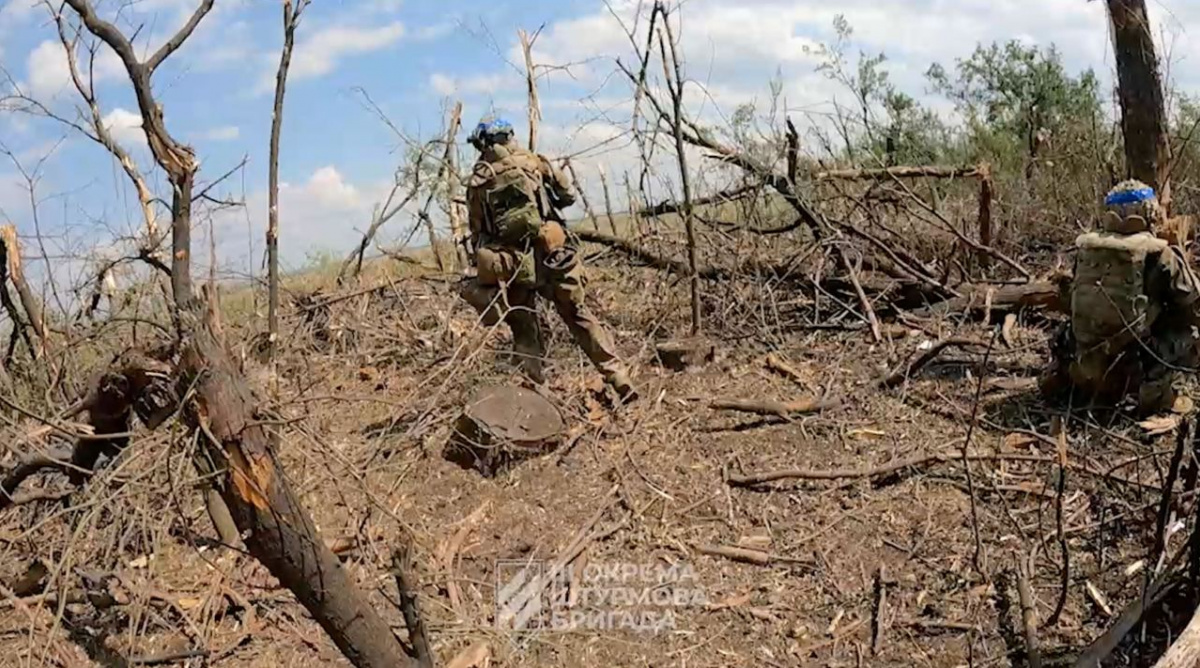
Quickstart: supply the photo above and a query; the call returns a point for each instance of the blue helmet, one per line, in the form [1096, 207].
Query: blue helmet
[491, 131]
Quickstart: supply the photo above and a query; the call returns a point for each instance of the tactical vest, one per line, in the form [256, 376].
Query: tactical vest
[1109, 305]
[510, 192]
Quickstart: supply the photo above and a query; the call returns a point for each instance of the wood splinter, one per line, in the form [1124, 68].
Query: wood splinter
[744, 555]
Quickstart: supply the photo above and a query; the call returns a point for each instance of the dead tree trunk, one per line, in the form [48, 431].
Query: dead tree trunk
[291, 18]
[535, 109]
[674, 74]
[588, 212]
[1143, 112]
[275, 526]
[19, 330]
[220, 409]
[985, 211]
[33, 310]
[458, 229]
[608, 207]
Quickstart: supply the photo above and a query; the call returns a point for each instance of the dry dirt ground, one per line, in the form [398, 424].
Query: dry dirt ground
[365, 419]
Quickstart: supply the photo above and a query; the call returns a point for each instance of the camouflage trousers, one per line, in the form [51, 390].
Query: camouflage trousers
[506, 289]
[1155, 369]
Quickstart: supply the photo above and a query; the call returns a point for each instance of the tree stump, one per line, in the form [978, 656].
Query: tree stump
[680, 354]
[502, 426]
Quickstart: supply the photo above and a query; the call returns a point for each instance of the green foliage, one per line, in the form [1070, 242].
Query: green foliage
[885, 124]
[1015, 99]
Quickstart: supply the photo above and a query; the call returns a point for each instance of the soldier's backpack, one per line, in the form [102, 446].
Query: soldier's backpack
[1109, 305]
[511, 193]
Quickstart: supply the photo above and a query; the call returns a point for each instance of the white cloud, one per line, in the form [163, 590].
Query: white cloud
[442, 84]
[324, 212]
[13, 196]
[433, 32]
[13, 15]
[125, 126]
[223, 133]
[323, 50]
[484, 84]
[48, 73]
[320, 53]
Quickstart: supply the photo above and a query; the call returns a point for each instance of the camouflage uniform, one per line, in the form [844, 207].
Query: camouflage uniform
[1132, 304]
[521, 252]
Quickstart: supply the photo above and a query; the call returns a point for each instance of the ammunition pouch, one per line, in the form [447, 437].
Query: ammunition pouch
[551, 237]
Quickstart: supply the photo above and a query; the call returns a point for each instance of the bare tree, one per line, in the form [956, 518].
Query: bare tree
[1143, 112]
[674, 80]
[10, 248]
[220, 410]
[383, 212]
[291, 19]
[454, 207]
[535, 109]
[444, 175]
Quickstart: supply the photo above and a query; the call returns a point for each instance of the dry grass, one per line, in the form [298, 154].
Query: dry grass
[368, 399]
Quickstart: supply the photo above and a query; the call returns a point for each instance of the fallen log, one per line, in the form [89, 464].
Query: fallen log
[274, 525]
[637, 252]
[1004, 299]
[731, 194]
[901, 171]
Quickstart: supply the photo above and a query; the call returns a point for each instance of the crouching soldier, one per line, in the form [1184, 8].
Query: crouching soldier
[1131, 311]
[521, 251]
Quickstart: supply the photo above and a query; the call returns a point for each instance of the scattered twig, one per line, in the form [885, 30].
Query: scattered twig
[1029, 623]
[407, 591]
[768, 407]
[877, 614]
[902, 373]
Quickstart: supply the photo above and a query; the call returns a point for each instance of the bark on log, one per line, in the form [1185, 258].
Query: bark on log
[1004, 299]
[1143, 112]
[275, 527]
[220, 408]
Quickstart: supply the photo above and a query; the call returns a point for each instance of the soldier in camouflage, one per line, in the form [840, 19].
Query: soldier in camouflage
[513, 198]
[1132, 302]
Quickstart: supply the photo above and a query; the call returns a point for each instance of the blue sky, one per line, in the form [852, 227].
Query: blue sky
[413, 56]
